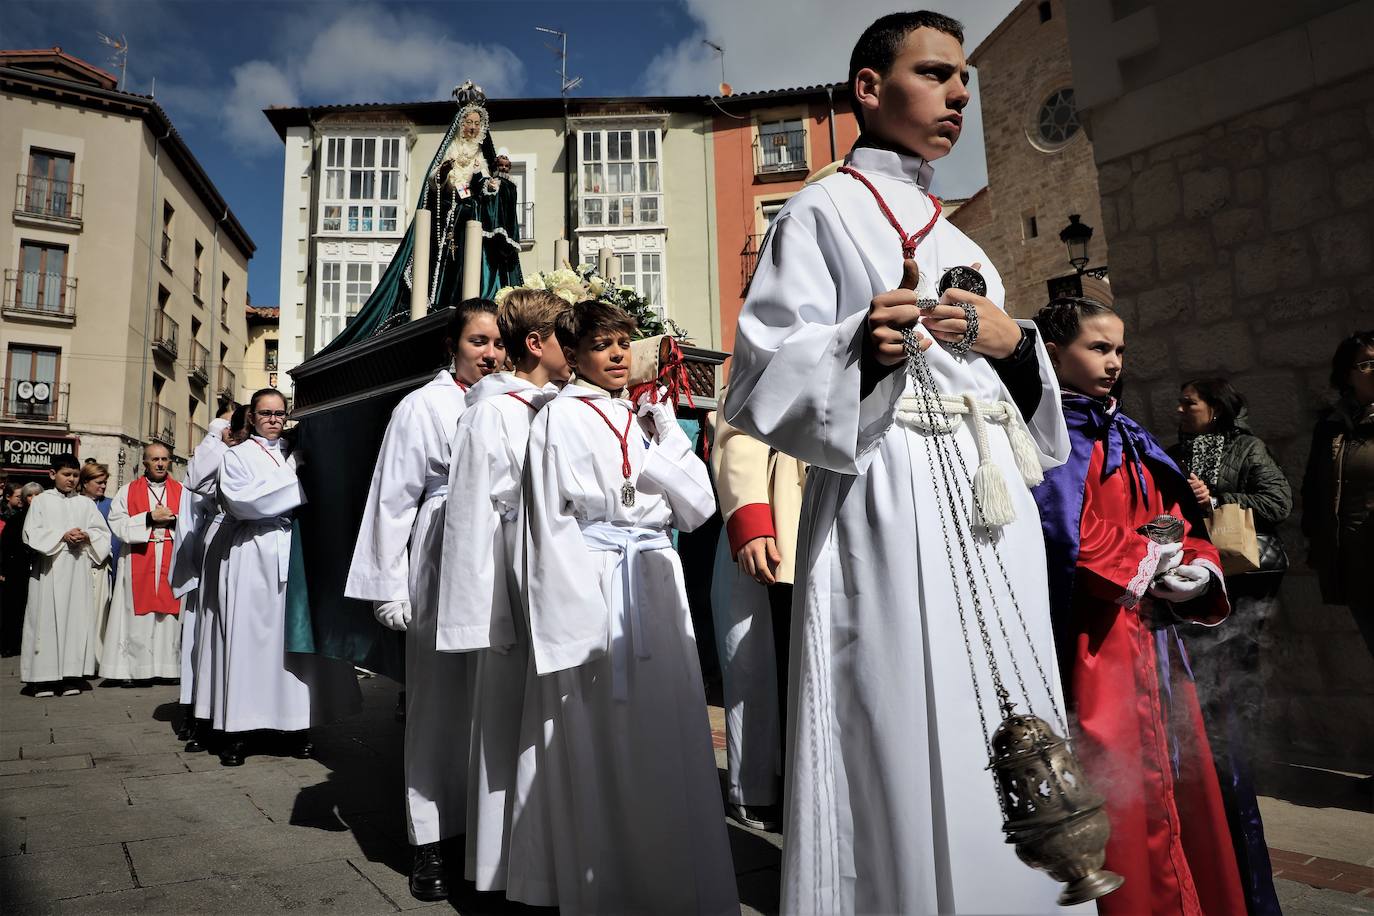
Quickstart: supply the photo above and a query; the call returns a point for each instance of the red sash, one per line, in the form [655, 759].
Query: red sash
[152, 590]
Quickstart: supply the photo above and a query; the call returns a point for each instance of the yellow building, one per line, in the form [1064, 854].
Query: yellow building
[126, 274]
[259, 368]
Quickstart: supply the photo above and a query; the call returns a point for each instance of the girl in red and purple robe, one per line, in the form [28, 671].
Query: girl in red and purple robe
[1116, 595]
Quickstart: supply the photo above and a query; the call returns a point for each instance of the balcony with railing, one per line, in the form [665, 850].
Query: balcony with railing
[749, 259]
[165, 332]
[226, 383]
[780, 155]
[38, 197]
[200, 362]
[195, 435]
[527, 224]
[29, 401]
[162, 425]
[42, 296]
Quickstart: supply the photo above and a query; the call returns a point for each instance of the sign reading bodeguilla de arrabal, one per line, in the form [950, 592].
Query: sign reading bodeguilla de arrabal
[34, 453]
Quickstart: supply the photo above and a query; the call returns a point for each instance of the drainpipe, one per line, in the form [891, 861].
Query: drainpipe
[214, 320]
[148, 296]
[830, 97]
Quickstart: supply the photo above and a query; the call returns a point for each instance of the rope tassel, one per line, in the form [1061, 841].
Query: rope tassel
[1024, 451]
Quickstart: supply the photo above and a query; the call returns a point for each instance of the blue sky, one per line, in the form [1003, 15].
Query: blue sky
[214, 65]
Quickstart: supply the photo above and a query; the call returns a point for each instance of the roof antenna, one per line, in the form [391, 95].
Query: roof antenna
[119, 56]
[724, 86]
[561, 52]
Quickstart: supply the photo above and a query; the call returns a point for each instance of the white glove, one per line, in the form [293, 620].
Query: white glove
[1170, 555]
[1182, 583]
[394, 615]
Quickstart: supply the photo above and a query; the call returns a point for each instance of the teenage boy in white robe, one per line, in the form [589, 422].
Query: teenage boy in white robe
[396, 563]
[480, 607]
[65, 529]
[889, 804]
[626, 773]
[255, 684]
[143, 630]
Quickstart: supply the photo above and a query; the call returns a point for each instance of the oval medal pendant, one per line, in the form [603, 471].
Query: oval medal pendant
[965, 278]
[627, 494]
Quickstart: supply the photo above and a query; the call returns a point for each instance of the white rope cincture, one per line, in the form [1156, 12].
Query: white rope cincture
[942, 415]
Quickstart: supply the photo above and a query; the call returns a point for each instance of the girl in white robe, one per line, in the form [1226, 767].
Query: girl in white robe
[259, 685]
[626, 786]
[396, 562]
[889, 804]
[60, 638]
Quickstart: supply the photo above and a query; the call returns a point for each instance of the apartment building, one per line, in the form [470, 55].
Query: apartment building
[125, 273]
[631, 175]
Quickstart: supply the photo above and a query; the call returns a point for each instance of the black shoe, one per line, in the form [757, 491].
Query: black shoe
[427, 874]
[757, 817]
[187, 729]
[233, 753]
[301, 748]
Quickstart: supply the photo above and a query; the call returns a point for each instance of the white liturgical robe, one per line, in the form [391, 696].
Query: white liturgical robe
[59, 638]
[250, 680]
[480, 605]
[199, 512]
[140, 646]
[397, 557]
[890, 806]
[625, 787]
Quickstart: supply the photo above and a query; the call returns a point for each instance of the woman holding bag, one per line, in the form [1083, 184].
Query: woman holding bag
[1227, 465]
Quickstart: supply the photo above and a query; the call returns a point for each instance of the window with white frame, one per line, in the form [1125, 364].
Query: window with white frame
[643, 271]
[782, 145]
[520, 175]
[362, 185]
[344, 287]
[620, 178]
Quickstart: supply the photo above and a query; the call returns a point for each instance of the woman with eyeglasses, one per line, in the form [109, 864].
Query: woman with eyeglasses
[258, 685]
[1338, 488]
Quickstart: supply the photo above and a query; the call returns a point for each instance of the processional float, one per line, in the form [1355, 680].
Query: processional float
[462, 242]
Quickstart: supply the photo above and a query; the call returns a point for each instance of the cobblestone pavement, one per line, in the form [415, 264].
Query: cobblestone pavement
[101, 811]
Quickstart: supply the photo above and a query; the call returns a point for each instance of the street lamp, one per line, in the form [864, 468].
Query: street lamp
[1075, 237]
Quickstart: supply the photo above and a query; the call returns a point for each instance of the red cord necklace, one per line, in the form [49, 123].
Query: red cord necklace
[266, 451]
[909, 242]
[512, 394]
[627, 489]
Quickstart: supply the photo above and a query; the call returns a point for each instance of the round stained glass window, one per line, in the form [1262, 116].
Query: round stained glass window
[1057, 121]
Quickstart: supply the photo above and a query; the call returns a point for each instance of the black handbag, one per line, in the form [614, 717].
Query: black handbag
[1272, 556]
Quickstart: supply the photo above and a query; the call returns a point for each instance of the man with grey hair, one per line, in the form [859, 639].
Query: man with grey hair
[143, 635]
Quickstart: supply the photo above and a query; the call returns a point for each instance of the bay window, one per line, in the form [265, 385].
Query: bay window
[620, 177]
[361, 192]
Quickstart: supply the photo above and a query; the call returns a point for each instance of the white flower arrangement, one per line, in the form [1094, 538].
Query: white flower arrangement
[583, 282]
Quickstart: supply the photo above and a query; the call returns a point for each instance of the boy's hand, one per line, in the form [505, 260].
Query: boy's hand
[759, 559]
[998, 334]
[891, 313]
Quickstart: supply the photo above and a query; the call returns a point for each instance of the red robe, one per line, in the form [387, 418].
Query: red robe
[1139, 728]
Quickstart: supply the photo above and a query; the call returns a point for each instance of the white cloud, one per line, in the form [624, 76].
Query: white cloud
[810, 45]
[257, 84]
[366, 54]
[370, 54]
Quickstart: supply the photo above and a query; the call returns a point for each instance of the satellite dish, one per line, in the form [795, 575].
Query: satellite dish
[726, 90]
[24, 390]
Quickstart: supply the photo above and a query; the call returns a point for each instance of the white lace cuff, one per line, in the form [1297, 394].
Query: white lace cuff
[1144, 575]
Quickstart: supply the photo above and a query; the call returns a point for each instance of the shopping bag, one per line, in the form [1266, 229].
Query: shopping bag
[1233, 534]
